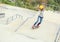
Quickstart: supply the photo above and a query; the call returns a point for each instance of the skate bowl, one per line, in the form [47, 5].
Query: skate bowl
[47, 31]
[20, 20]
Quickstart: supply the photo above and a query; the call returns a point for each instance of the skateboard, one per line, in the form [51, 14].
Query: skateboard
[34, 27]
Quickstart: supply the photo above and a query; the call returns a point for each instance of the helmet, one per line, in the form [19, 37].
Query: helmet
[41, 7]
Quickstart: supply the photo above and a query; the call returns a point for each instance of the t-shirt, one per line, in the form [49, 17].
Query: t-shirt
[41, 13]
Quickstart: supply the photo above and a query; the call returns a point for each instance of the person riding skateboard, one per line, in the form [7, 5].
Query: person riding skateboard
[40, 17]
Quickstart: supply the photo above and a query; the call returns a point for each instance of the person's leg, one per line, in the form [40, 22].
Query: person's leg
[41, 18]
[35, 23]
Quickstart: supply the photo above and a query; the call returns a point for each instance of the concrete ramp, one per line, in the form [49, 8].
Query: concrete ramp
[47, 31]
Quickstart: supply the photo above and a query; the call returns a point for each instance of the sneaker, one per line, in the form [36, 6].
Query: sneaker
[33, 27]
[37, 26]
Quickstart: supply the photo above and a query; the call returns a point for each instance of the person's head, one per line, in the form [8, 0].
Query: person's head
[41, 7]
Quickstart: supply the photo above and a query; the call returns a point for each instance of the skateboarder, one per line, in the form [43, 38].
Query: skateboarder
[40, 17]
